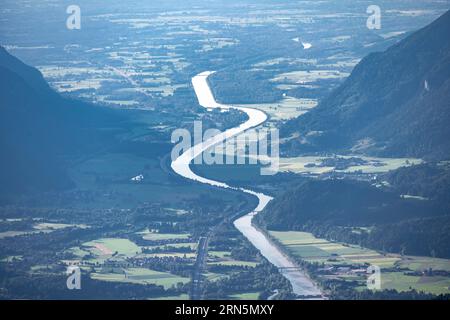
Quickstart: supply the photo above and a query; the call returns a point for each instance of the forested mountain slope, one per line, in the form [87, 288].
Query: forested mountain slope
[38, 127]
[395, 103]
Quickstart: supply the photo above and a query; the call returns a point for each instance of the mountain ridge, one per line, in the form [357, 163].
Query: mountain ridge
[394, 103]
[38, 127]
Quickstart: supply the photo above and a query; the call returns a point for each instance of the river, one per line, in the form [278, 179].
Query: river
[301, 283]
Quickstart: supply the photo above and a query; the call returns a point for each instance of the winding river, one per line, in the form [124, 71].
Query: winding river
[300, 282]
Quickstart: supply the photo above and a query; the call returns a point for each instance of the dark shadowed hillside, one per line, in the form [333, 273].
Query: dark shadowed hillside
[395, 103]
[342, 202]
[38, 127]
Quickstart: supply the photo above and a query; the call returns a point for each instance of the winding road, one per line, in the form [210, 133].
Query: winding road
[301, 283]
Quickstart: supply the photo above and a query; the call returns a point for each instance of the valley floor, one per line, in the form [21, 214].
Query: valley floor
[349, 264]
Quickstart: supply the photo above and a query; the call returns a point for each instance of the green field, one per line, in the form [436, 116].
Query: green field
[192, 245]
[402, 282]
[224, 258]
[180, 297]
[423, 263]
[285, 109]
[41, 227]
[9, 234]
[300, 165]
[110, 258]
[10, 259]
[109, 246]
[219, 254]
[191, 255]
[307, 247]
[79, 252]
[245, 296]
[154, 236]
[210, 276]
[238, 263]
[141, 276]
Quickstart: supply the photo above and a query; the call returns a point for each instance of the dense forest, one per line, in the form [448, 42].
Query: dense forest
[242, 87]
[38, 127]
[428, 180]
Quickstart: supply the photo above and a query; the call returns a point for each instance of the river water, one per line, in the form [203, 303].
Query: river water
[300, 282]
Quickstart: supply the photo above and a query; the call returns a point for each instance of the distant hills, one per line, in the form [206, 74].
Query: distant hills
[38, 127]
[395, 103]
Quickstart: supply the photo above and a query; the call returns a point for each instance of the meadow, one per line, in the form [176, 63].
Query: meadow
[399, 272]
[313, 164]
[286, 109]
[140, 276]
[108, 259]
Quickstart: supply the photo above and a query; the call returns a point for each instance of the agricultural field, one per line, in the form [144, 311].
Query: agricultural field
[120, 260]
[156, 236]
[245, 296]
[315, 165]
[305, 165]
[221, 265]
[10, 259]
[286, 109]
[170, 236]
[223, 258]
[37, 227]
[308, 77]
[179, 297]
[349, 262]
[168, 245]
[112, 246]
[309, 248]
[402, 282]
[139, 276]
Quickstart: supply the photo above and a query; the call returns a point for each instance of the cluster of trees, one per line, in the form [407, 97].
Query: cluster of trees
[264, 278]
[429, 180]
[180, 266]
[168, 248]
[343, 202]
[339, 291]
[244, 86]
[425, 237]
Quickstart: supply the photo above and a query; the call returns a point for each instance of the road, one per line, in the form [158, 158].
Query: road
[199, 268]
